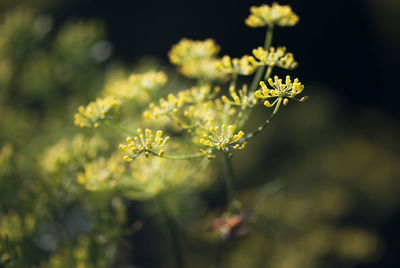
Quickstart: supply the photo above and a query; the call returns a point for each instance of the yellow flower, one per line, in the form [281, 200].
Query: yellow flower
[204, 69]
[136, 85]
[188, 50]
[197, 59]
[185, 108]
[275, 57]
[271, 15]
[245, 98]
[279, 90]
[102, 174]
[95, 112]
[246, 65]
[144, 143]
[223, 139]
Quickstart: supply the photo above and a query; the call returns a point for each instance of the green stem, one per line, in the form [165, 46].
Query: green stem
[229, 179]
[261, 69]
[179, 157]
[268, 37]
[233, 82]
[258, 75]
[268, 73]
[246, 112]
[118, 128]
[262, 127]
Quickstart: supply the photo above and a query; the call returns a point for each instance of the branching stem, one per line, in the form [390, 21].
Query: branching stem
[263, 126]
[260, 70]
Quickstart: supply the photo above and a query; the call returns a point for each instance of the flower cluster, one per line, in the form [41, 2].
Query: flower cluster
[223, 139]
[102, 174]
[135, 85]
[97, 111]
[170, 106]
[271, 15]
[68, 154]
[275, 57]
[189, 50]
[143, 143]
[196, 59]
[244, 99]
[246, 65]
[279, 90]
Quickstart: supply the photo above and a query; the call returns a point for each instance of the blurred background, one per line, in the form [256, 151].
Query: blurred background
[324, 178]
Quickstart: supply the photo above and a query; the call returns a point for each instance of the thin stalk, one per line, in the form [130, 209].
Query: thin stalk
[118, 128]
[260, 70]
[178, 157]
[233, 82]
[268, 73]
[262, 127]
[258, 76]
[229, 178]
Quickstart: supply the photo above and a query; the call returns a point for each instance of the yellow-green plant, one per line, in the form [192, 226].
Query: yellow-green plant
[205, 120]
[148, 149]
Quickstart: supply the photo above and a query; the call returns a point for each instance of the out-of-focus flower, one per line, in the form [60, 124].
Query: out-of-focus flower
[189, 50]
[197, 59]
[275, 57]
[95, 112]
[246, 65]
[271, 15]
[136, 85]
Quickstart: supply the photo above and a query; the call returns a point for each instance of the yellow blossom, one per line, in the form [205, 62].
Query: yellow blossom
[275, 57]
[271, 15]
[203, 69]
[197, 59]
[246, 65]
[223, 139]
[136, 85]
[245, 98]
[143, 143]
[102, 174]
[95, 112]
[279, 90]
[188, 50]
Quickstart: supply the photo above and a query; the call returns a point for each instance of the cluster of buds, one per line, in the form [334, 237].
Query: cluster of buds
[101, 174]
[279, 90]
[143, 143]
[197, 59]
[173, 103]
[271, 15]
[246, 65]
[275, 57]
[188, 50]
[245, 98]
[222, 139]
[136, 84]
[95, 112]
[166, 106]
